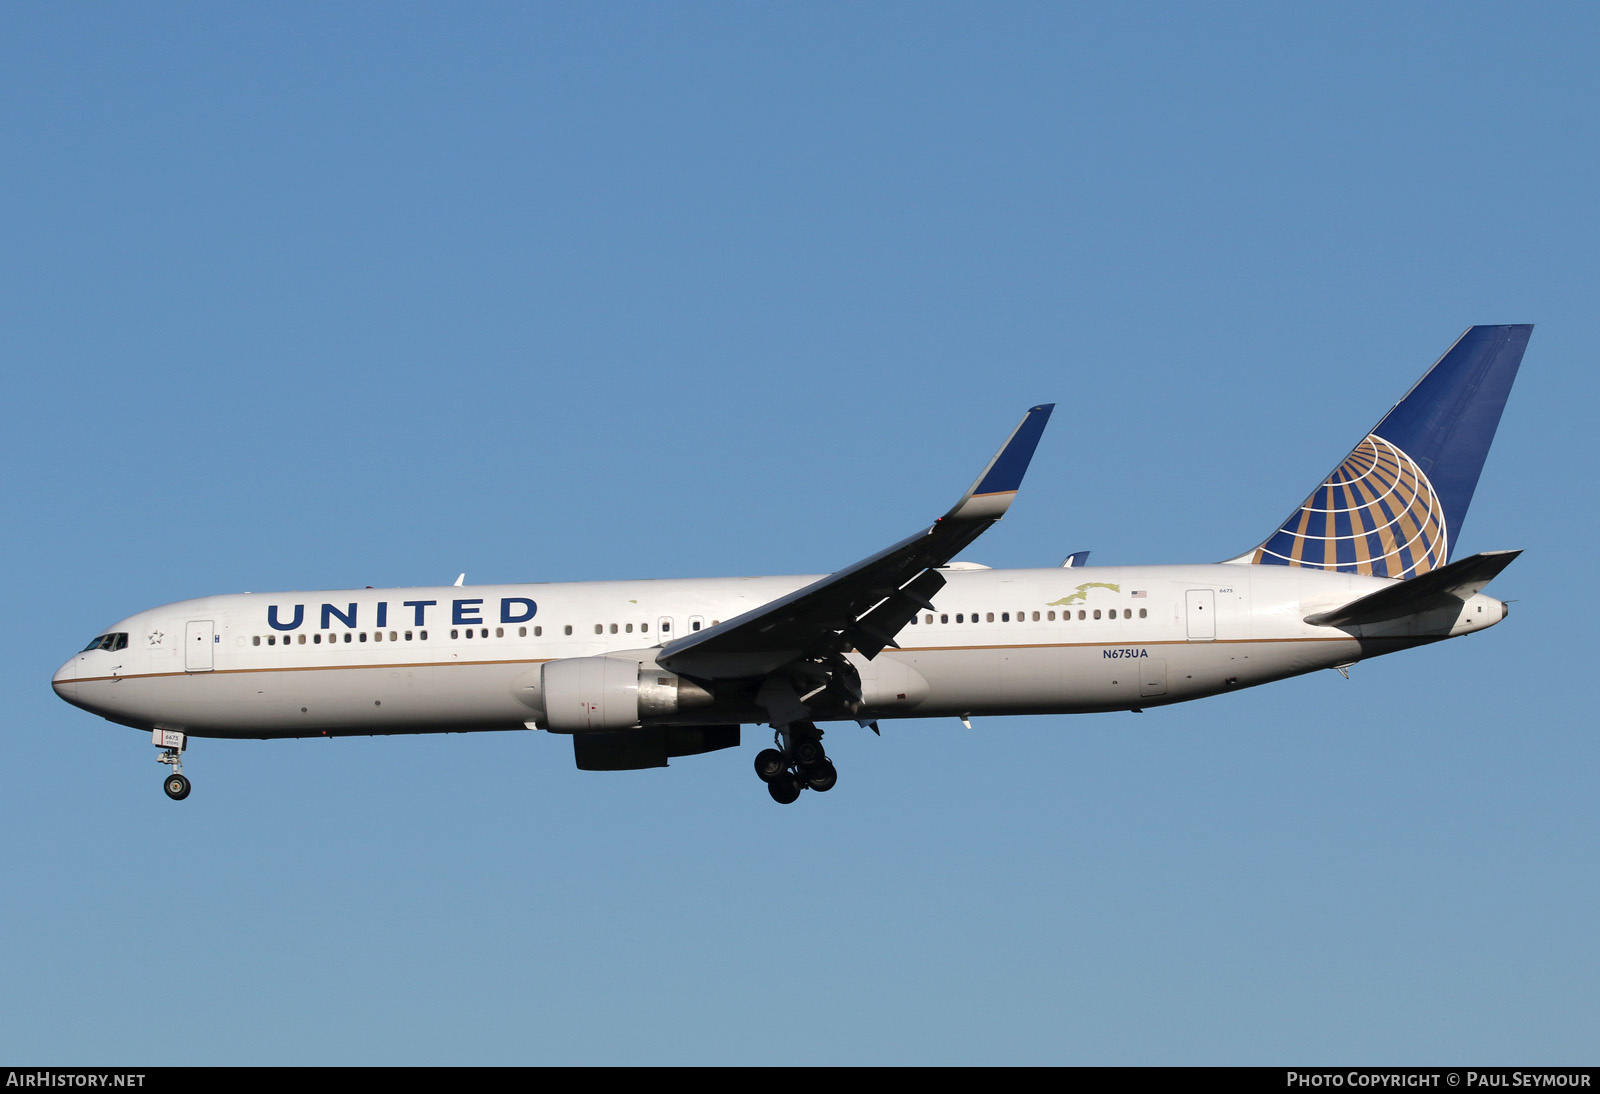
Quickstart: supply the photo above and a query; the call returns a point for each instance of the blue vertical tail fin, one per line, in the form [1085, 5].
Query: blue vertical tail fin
[1395, 506]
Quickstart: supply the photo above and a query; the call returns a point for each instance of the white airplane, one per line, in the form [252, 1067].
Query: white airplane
[637, 672]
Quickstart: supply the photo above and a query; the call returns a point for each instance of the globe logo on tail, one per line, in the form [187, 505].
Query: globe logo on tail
[1376, 514]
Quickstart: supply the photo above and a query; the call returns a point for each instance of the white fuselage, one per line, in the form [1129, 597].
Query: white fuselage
[1042, 641]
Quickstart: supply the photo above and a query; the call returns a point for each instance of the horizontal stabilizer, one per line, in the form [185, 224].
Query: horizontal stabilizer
[1435, 589]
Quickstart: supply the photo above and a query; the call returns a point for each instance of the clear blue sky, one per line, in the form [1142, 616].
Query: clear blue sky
[313, 296]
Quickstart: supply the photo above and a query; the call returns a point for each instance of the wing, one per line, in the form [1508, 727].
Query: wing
[863, 606]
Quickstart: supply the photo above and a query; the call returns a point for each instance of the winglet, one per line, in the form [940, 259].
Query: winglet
[990, 496]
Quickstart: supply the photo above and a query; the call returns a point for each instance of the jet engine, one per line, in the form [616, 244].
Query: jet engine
[597, 694]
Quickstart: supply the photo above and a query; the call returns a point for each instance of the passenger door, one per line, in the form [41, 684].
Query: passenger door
[199, 645]
[1202, 614]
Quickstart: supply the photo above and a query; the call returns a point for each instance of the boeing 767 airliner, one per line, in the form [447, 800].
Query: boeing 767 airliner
[637, 672]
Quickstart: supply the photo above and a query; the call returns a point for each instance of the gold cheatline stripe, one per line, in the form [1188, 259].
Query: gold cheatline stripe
[903, 649]
[312, 668]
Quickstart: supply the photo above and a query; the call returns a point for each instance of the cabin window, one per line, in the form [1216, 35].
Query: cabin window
[408, 636]
[256, 640]
[394, 636]
[613, 628]
[1143, 612]
[567, 629]
[628, 628]
[316, 639]
[455, 634]
[695, 624]
[1097, 613]
[598, 629]
[644, 628]
[347, 637]
[363, 636]
[961, 617]
[928, 618]
[423, 635]
[1005, 617]
[499, 632]
[666, 626]
[988, 617]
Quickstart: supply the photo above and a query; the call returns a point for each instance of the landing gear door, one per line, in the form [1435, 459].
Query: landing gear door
[1202, 613]
[199, 644]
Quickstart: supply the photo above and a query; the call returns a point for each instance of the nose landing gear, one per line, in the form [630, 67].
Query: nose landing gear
[172, 744]
[800, 765]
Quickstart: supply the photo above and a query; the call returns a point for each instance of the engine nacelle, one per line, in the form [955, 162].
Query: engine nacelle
[597, 694]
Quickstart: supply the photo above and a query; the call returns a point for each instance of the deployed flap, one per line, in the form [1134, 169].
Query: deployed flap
[863, 605]
[1457, 581]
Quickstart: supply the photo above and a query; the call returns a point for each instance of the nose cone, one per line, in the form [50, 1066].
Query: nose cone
[66, 674]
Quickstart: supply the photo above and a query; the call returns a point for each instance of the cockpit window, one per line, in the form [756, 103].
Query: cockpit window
[118, 641]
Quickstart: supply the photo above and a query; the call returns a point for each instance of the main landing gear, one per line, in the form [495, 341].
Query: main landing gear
[800, 765]
[172, 744]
